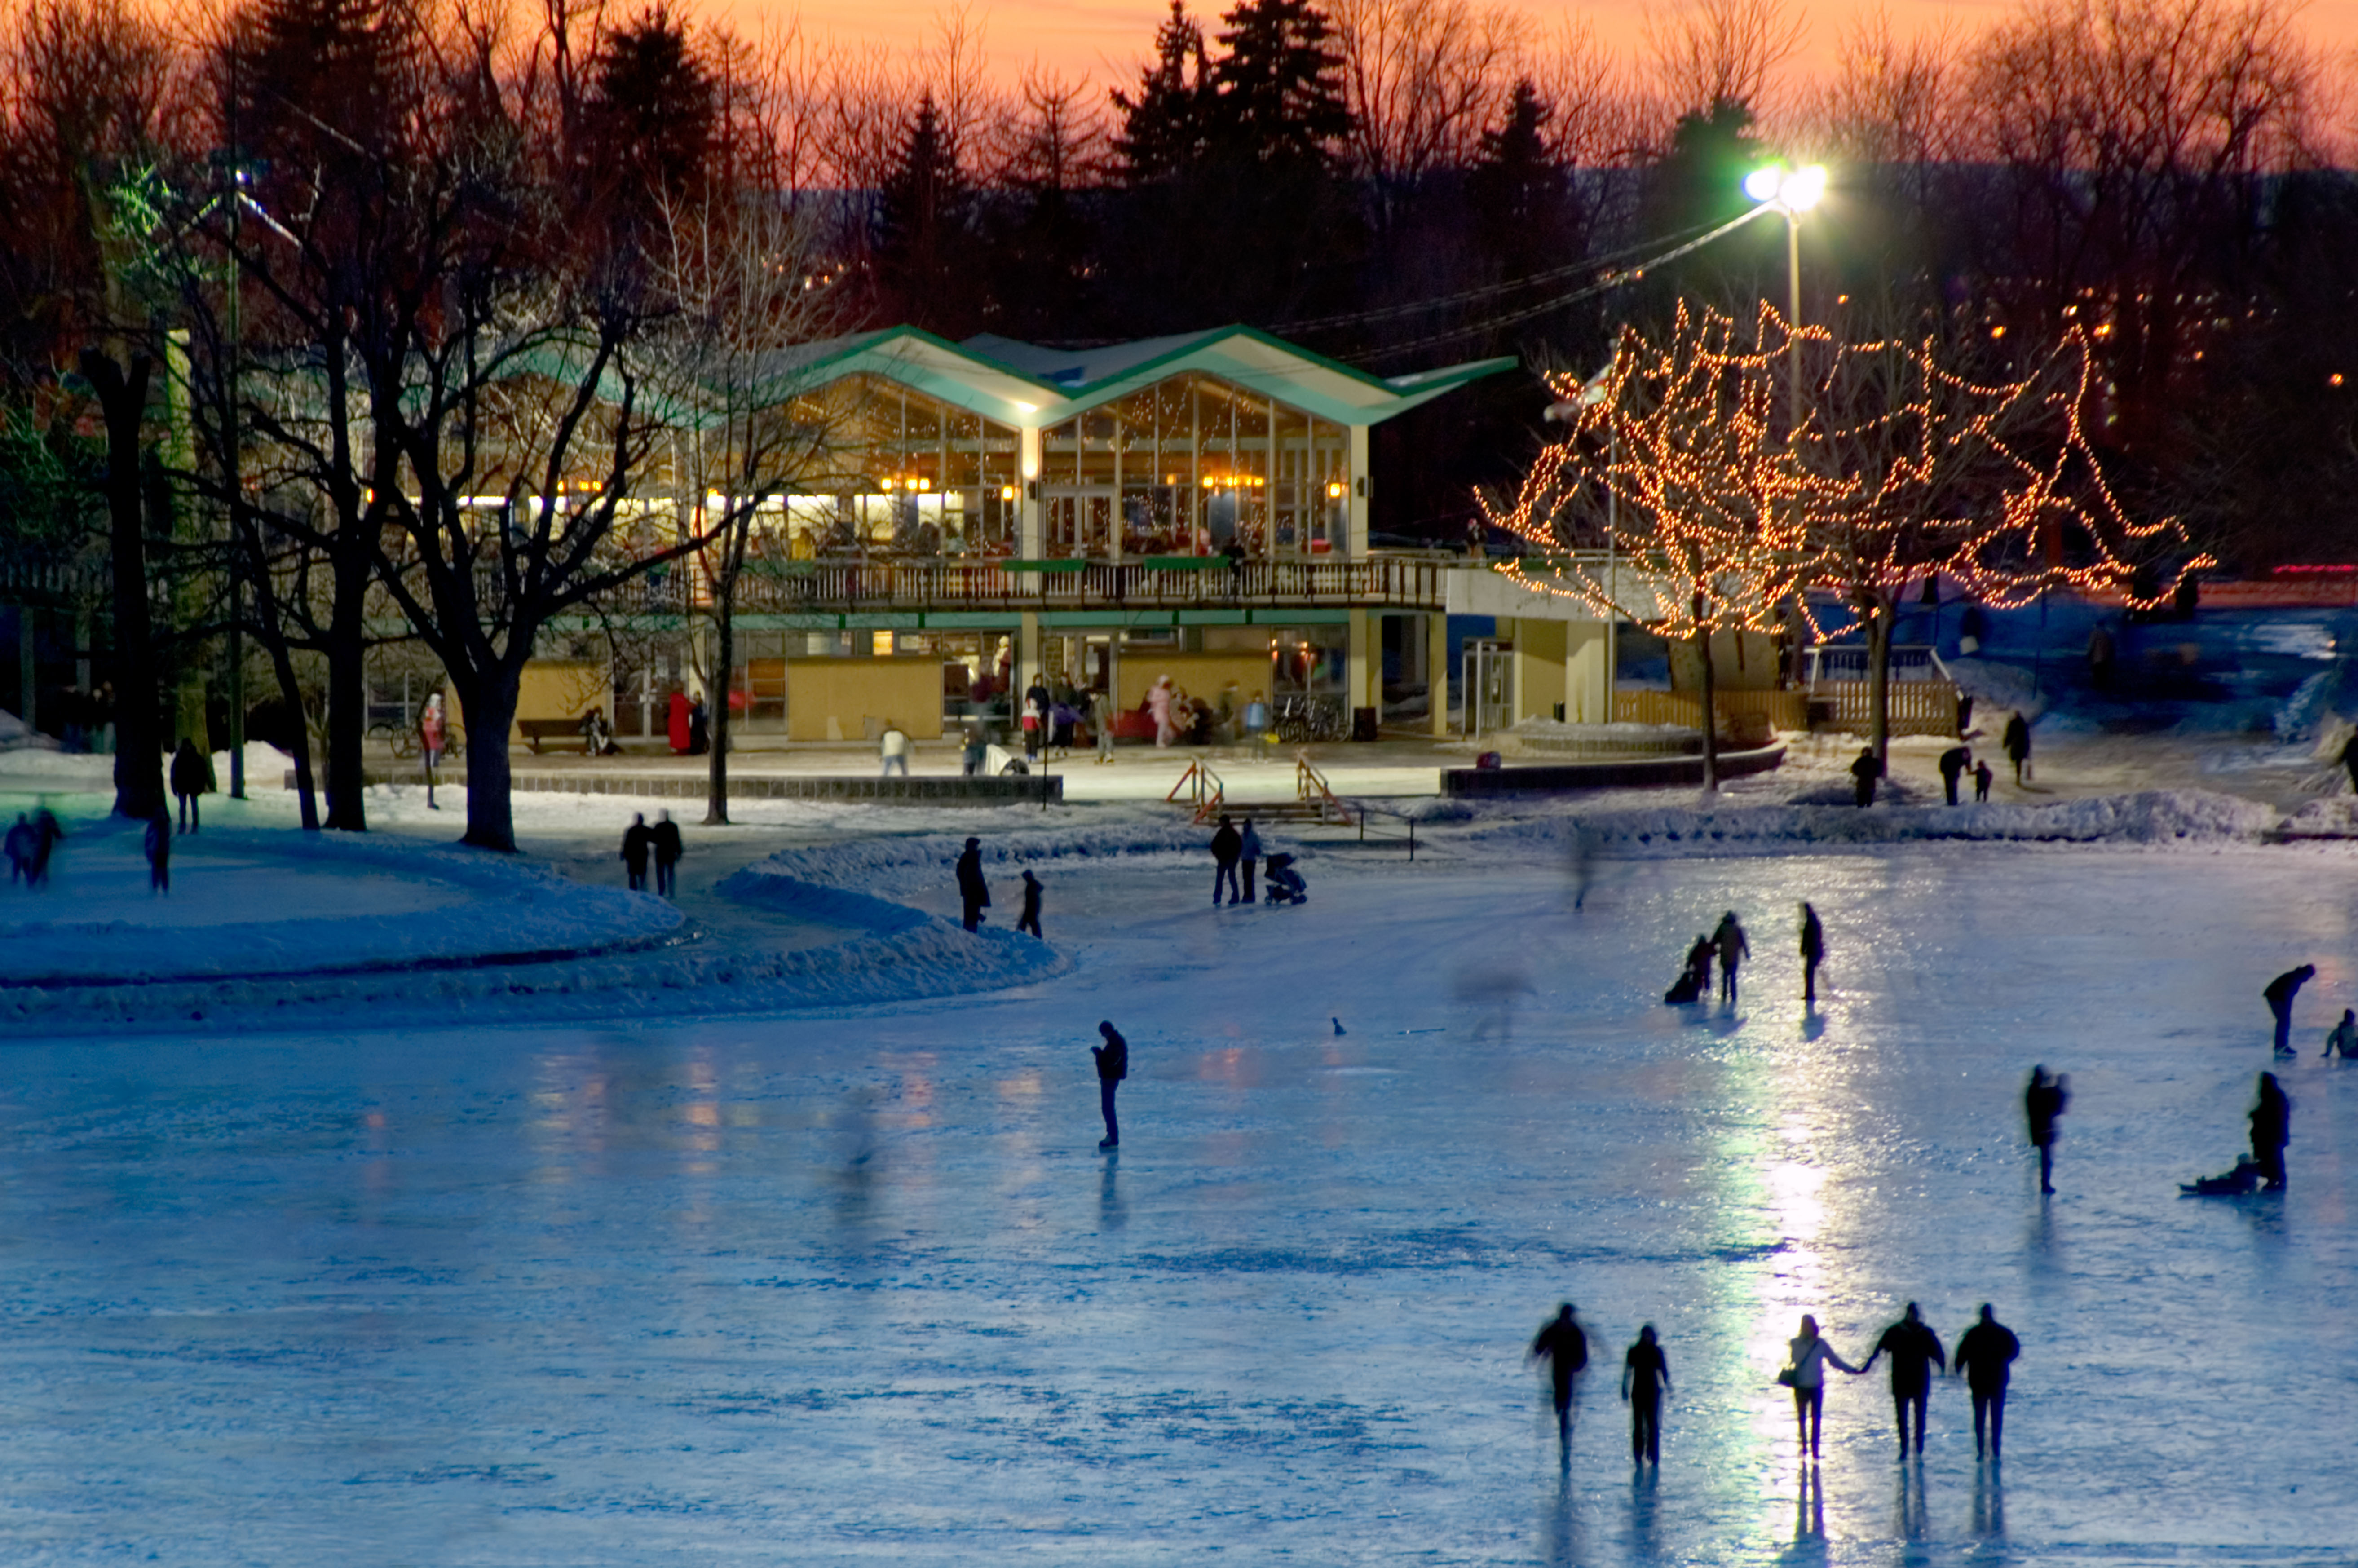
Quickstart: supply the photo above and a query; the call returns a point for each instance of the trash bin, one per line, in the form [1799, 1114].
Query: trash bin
[1363, 724]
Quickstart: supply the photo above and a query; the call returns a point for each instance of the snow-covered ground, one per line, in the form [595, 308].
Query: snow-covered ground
[855, 1284]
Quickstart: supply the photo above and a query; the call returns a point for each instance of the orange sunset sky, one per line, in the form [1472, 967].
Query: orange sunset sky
[1105, 40]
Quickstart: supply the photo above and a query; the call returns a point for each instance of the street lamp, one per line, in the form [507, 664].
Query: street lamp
[1789, 193]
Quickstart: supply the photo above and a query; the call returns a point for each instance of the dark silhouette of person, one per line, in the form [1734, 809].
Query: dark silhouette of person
[1645, 1378]
[1036, 703]
[1985, 1360]
[2271, 1131]
[1954, 763]
[1030, 920]
[20, 851]
[192, 779]
[2016, 744]
[638, 842]
[1807, 1357]
[1249, 851]
[1695, 982]
[1915, 1352]
[1863, 774]
[1813, 953]
[973, 891]
[663, 837]
[159, 852]
[1982, 776]
[2349, 760]
[1564, 1347]
[1228, 847]
[2042, 1102]
[2342, 1037]
[1113, 1065]
[48, 833]
[1733, 949]
[2280, 993]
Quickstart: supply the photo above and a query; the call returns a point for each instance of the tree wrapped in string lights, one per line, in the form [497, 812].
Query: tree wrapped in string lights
[1674, 499]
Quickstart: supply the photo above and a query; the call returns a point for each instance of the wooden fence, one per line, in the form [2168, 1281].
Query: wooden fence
[1917, 708]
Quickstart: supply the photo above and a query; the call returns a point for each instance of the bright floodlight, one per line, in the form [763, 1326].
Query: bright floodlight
[1796, 191]
[1762, 184]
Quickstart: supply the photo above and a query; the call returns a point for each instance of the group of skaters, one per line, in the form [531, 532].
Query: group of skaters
[1727, 945]
[1236, 849]
[1956, 765]
[974, 895]
[658, 844]
[1984, 1359]
[32, 846]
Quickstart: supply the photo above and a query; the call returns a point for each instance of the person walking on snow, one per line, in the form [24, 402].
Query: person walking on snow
[1227, 846]
[663, 839]
[2279, 993]
[1035, 716]
[892, 746]
[20, 851]
[1030, 920]
[1732, 947]
[431, 731]
[638, 842]
[48, 831]
[1805, 1372]
[2342, 1037]
[1645, 1378]
[192, 776]
[1915, 1352]
[1561, 1345]
[1863, 774]
[1982, 777]
[1248, 850]
[159, 852]
[1113, 1065]
[1813, 953]
[1954, 763]
[1158, 703]
[973, 891]
[1986, 1357]
[2016, 744]
[2271, 1131]
[2042, 1102]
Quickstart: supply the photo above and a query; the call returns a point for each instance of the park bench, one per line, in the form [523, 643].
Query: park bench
[536, 731]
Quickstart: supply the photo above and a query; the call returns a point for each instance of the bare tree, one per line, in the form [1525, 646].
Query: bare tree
[1422, 78]
[1705, 53]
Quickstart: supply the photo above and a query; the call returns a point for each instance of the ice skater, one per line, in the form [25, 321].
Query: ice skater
[1645, 1378]
[48, 833]
[638, 842]
[159, 852]
[192, 779]
[1863, 774]
[2271, 1131]
[974, 893]
[2279, 993]
[1696, 980]
[663, 839]
[432, 731]
[1808, 1357]
[1030, 920]
[2016, 744]
[1813, 953]
[2343, 1037]
[1954, 763]
[2042, 1102]
[20, 851]
[1986, 1358]
[1227, 846]
[1248, 855]
[1915, 1352]
[1730, 940]
[1564, 1347]
[1113, 1065]
[1982, 777]
[892, 750]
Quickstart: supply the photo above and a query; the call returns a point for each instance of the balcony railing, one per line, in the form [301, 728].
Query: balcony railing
[1071, 585]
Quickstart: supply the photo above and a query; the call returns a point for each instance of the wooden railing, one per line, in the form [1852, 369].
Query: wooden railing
[1916, 707]
[1412, 584]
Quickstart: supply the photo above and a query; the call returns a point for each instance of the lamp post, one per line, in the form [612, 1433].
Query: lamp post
[1789, 193]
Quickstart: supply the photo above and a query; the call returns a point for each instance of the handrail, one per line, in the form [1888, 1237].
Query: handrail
[1310, 785]
[1367, 811]
[1207, 792]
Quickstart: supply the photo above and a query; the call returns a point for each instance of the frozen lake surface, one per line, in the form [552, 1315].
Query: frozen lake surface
[861, 1288]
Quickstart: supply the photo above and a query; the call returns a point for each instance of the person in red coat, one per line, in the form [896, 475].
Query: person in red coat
[677, 727]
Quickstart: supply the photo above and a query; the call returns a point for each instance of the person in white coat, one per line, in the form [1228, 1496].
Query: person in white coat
[1158, 703]
[894, 747]
[1805, 1369]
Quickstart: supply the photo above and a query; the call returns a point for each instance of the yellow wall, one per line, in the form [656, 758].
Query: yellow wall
[1587, 679]
[1740, 661]
[1202, 674]
[1539, 658]
[550, 688]
[826, 698]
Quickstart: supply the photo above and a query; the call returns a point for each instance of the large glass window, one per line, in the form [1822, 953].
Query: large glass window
[912, 478]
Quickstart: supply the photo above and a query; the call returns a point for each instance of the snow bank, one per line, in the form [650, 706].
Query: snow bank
[907, 863]
[16, 734]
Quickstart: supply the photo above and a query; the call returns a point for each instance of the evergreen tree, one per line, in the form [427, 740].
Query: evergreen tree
[1163, 128]
[1521, 197]
[924, 268]
[1278, 93]
[652, 123]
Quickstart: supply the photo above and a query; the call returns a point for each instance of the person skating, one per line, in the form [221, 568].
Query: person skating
[1645, 1378]
[1813, 953]
[638, 842]
[192, 777]
[1807, 1359]
[2016, 744]
[20, 851]
[892, 750]
[1863, 774]
[1227, 846]
[1113, 1065]
[48, 833]
[2271, 1131]
[1982, 776]
[663, 839]
[1733, 949]
[431, 730]
[1985, 1359]
[159, 852]
[1954, 763]
[1030, 919]
[2045, 1099]
[974, 893]
[1561, 1345]
[699, 727]
[1915, 1352]
[1248, 855]
[2279, 994]
[2342, 1037]
[1035, 718]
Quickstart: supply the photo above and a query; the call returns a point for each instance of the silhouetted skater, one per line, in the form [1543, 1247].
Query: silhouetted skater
[1113, 1065]
[48, 833]
[1338, 1026]
[1985, 1360]
[1227, 846]
[192, 779]
[2343, 1037]
[1565, 1350]
[974, 893]
[1982, 776]
[2016, 744]
[1248, 855]
[1030, 919]
[663, 839]
[1954, 763]
[1696, 980]
[2271, 1131]
[2042, 1102]
[159, 852]
[20, 851]
[1805, 1372]
[1915, 1352]
[1645, 1378]
[2280, 993]
[1813, 953]
[1863, 774]
[638, 842]
[1733, 949]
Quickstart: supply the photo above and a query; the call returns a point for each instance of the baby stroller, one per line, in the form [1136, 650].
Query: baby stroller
[1285, 883]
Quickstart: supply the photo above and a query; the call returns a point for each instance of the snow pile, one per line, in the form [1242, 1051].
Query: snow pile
[914, 862]
[16, 735]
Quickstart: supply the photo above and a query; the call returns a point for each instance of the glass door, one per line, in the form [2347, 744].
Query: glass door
[1080, 523]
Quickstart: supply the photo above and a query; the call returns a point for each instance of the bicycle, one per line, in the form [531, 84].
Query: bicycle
[1301, 719]
[402, 741]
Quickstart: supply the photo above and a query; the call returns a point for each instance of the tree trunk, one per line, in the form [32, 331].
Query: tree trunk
[289, 692]
[1878, 682]
[724, 627]
[1709, 713]
[489, 699]
[138, 746]
[348, 695]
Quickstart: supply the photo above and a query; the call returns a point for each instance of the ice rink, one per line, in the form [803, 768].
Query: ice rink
[861, 1288]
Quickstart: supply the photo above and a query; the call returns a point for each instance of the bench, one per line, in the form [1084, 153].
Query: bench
[536, 731]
